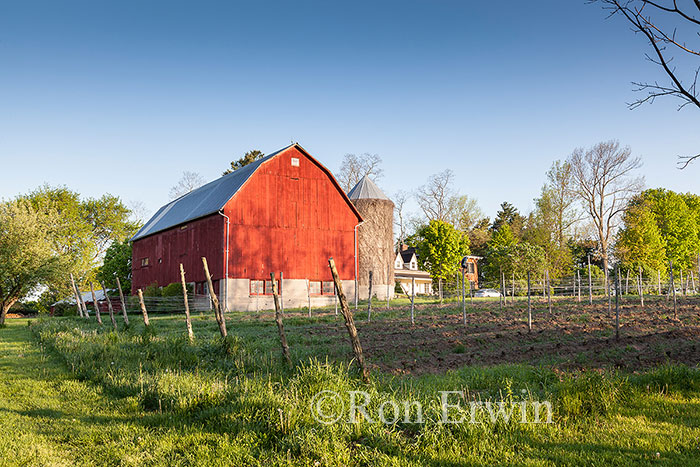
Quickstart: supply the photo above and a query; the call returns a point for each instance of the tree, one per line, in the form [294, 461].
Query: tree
[88, 227]
[354, 168]
[640, 243]
[189, 182]
[500, 253]
[666, 27]
[463, 212]
[28, 254]
[550, 225]
[440, 248]
[508, 214]
[248, 158]
[604, 181]
[117, 263]
[435, 196]
[400, 199]
[677, 225]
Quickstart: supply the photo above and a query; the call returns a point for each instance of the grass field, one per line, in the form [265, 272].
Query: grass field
[76, 393]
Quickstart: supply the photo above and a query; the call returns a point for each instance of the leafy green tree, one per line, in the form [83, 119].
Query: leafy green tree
[639, 242]
[501, 253]
[117, 263]
[248, 158]
[440, 247]
[29, 257]
[677, 225]
[88, 227]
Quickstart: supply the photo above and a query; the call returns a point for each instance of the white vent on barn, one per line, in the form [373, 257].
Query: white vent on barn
[295, 162]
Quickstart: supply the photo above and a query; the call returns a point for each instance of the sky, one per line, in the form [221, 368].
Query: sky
[122, 97]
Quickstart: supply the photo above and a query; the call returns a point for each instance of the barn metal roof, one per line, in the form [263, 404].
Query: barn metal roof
[366, 189]
[205, 200]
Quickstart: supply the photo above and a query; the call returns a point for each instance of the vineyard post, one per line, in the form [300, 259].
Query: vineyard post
[144, 312]
[413, 297]
[617, 302]
[218, 313]
[388, 288]
[464, 300]
[280, 291]
[95, 304]
[627, 283]
[308, 294]
[86, 313]
[121, 298]
[608, 290]
[279, 316]
[369, 300]
[77, 297]
[500, 295]
[549, 292]
[512, 290]
[590, 283]
[188, 321]
[673, 287]
[578, 274]
[349, 322]
[658, 277]
[529, 305]
[109, 306]
[641, 287]
[682, 284]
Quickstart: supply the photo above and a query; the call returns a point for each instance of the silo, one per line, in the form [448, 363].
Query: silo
[375, 239]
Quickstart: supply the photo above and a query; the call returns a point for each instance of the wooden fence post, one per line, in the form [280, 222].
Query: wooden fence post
[121, 298]
[682, 284]
[369, 301]
[95, 304]
[512, 290]
[349, 322]
[109, 306]
[220, 318]
[77, 296]
[413, 297]
[144, 312]
[617, 301]
[188, 321]
[658, 276]
[280, 291]
[471, 294]
[279, 316]
[505, 291]
[529, 305]
[440, 289]
[627, 283]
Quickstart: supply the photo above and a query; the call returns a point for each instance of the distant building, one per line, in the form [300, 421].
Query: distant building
[284, 213]
[406, 271]
[470, 268]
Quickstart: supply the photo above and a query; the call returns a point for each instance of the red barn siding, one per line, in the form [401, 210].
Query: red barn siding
[291, 219]
[166, 250]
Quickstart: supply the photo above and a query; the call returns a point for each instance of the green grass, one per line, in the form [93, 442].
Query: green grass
[75, 393]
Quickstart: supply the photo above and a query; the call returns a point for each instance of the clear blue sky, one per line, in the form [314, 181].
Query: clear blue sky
[124, 96]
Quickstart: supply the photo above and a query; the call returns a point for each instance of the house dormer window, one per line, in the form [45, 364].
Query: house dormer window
[414, 265]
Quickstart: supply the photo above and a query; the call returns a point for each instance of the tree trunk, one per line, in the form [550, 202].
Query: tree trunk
[4, 309]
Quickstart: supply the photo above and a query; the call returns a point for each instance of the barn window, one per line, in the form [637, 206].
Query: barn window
[315, 287]
[183, 227]
[295, 162]
[144, 262]
[257, 287]
[470, 268]
[328, 288]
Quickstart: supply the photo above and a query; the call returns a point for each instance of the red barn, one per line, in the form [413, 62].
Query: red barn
[283, 213]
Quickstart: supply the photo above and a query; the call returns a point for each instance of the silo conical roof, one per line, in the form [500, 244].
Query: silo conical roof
[367, 189]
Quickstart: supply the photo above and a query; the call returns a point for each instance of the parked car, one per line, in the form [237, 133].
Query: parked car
[487, 293]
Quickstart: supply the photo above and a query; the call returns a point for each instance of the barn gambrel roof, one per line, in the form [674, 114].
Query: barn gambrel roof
[212, 197]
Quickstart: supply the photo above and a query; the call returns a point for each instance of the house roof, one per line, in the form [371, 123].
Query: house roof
[367, 189]
[212, 197]
[407, 255]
